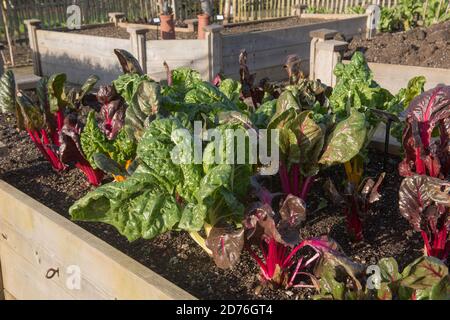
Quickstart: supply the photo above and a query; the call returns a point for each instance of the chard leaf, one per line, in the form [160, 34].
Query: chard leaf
[128, 62]
[30, 113]
[231, 89]
[417, 193]
[286, 101]
[346, 140]
[389, 270]
[193, 217]
[56, 92]
[94, 141]
[310, 137]
[108, 165]
[226, 246]
[424, 273]
[137, 207]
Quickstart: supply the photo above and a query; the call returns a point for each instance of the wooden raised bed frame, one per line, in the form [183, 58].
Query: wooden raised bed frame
[35, 240]
[55, 52]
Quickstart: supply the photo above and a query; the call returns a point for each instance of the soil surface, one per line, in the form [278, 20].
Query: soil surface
[111, 31]
[176, 257]
[117, 32]
[270, 25]
[426, 47]
[22, 55]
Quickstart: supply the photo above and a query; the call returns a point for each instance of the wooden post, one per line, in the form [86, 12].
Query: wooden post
[317, 36]
[139, 45]
[214, 38]
[373, 18]
[33, 25]
[116, 17]
[329, 53]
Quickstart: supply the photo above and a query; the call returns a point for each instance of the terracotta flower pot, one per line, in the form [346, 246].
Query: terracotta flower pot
[167, 27]
[203, 21]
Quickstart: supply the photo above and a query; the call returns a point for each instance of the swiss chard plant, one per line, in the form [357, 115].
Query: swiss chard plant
[52, 120]
[426, 278]
[356, 91]
[260, 93]
[426, 115]
[401, 101]
[164, 194]
[355, 202]
[311, 139]
[425, 202]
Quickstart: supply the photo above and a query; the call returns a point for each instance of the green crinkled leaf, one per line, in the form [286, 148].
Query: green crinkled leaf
[93, 140]
[128, 84]
[207, 94]
[286, 101]
[185, 78]
[155, 151]
[261, 117]
[356, 88]
[137, 207]
[231, 89]
[124, 148]
[193, 217]
[346, 140]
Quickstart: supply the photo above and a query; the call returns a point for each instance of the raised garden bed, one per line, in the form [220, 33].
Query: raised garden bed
[304, 225]
[175, 256]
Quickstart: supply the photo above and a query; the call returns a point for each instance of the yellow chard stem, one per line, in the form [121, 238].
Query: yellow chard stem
[200, 241]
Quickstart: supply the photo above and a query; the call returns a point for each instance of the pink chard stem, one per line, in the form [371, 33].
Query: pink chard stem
[306, 187]
[94, 176]
[284, 177]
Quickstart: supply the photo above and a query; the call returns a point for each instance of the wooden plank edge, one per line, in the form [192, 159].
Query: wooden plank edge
[2, 288]
[8, 296]
[139, 270]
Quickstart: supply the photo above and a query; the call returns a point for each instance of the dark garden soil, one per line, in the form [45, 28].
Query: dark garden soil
[270, 25]
[117, 32]
[22, 55]
[111, 31]
[176, 257]
[426, 47]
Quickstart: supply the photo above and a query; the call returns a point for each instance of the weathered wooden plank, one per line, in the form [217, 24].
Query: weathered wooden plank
[8, 296]
[2, 287]
[395, 77]
[177, 53]
[40, 259]
[24, 282]
[261, 40]
[267, 58]
[115, 273]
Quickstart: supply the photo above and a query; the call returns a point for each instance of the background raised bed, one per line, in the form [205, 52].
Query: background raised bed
[81, 55]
